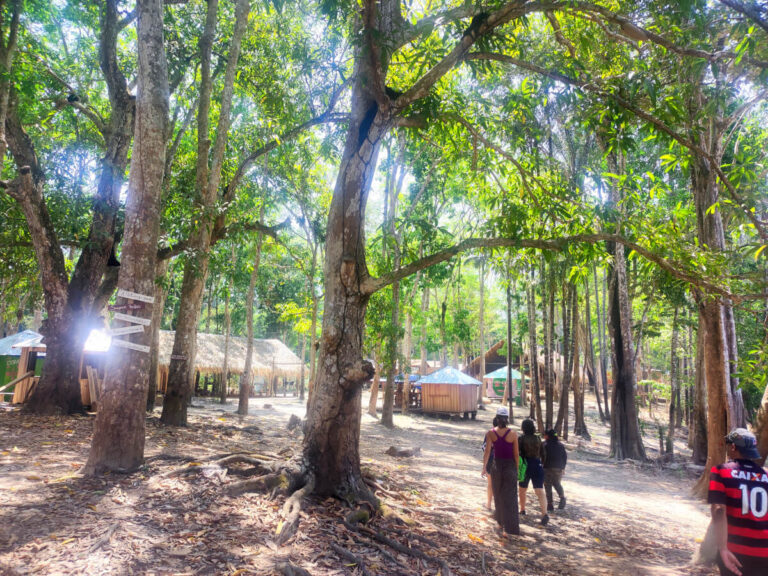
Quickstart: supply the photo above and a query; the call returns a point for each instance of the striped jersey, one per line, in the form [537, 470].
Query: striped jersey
[742, 486]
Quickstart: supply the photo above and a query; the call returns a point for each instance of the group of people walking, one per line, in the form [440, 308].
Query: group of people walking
[505, 456]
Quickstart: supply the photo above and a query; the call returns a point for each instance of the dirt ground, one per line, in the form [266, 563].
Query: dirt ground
[621, 518]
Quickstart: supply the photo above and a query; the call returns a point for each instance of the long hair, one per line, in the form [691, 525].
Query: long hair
[501, 421]
[528, 426]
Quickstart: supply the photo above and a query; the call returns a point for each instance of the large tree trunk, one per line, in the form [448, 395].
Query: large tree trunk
[332, 439]
[118, 436]
[206, 188]
[626, 439]
[716, 374]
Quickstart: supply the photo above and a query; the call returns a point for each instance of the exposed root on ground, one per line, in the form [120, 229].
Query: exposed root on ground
[344, 553]
[288, 569]
[261, 465]
[292, 509]
[445, 570]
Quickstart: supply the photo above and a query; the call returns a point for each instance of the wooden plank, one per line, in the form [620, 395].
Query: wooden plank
[133, 319]
[135, 296]
[130, 345]
[93, 384]
[85, 395]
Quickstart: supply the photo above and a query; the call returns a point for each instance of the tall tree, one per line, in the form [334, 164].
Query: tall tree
[72, 301]
[118, 436]
[208, 177]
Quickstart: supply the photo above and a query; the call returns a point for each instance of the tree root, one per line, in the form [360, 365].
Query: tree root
[261, 465]
[288, 569]
[389, 557]
[260, 484]
[377, 486]
[291, 510]
[103, 540]
[445, 570]
[419, 537]
[344, 553]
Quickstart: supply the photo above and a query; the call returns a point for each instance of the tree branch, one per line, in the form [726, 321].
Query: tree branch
[752, 12]
[482, 24]
[650, 118]
[248, 161]
[221, 233]
[372, 285]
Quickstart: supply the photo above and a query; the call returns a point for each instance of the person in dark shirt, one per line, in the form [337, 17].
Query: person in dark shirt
[532, 450]
[554, 461]
[738, 493]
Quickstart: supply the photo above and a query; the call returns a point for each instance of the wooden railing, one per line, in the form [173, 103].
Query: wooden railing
[14, 382]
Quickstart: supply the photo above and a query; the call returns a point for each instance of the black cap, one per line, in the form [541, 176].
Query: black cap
[745, 442]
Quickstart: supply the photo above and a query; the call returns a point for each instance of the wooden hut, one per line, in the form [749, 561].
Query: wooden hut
[449, 391]
[10, 356]
[271, 358]
[92, 361]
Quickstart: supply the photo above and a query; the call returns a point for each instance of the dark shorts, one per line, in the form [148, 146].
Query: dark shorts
[534, 472]
[750, 566]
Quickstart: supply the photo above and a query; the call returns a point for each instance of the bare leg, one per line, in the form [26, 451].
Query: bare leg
[542, 500]
[521, 494]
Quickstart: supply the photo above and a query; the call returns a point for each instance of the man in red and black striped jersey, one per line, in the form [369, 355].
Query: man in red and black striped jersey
[738, 493]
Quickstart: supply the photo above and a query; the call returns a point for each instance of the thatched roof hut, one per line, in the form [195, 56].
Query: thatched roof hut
[270, 357]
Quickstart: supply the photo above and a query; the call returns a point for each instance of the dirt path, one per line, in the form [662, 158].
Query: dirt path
[620, 519]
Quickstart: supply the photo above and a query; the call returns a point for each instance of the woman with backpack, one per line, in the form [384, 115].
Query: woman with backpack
[532, 451]
[503, 441]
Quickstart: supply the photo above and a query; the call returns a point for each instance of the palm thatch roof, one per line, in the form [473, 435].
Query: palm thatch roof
[473, 368]
[270, 357]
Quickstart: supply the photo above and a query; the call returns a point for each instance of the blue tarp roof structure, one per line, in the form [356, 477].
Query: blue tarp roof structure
[501, 373]
[411, 378]
[448, 375]
[7, 343]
